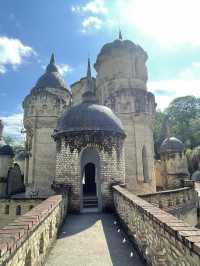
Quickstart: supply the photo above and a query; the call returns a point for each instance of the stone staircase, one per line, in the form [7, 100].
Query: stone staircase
[90, 202]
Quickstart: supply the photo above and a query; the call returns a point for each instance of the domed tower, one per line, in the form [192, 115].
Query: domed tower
[6, 161]
[42, 107]
[174, 168]
[121, 85]
[90, 156]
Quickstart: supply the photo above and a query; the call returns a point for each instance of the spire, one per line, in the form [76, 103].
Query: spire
[89, 77]
[88, 95]
[52, 60]
[120, 35]
[52, 65]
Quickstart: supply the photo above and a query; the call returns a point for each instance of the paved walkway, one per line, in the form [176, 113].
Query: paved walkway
[92, 240]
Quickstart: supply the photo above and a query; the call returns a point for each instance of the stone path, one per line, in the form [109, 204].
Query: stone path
[92, 240]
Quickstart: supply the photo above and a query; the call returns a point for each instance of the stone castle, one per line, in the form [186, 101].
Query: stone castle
[90, 149]
[121, 104]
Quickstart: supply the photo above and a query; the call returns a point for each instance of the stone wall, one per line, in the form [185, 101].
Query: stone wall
[10, 209]
[69, 171]
[161, 238]
[180, 202]
[174, 169]
[27, 240]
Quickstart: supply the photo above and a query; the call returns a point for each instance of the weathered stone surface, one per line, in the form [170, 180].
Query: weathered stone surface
[26, 241]
[159, 236]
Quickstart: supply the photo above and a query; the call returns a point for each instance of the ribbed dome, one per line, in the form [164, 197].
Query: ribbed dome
[6, 150]
[51, 78]
[89, 116]
[172, 144]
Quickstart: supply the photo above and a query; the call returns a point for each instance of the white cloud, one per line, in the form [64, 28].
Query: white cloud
[12, 53]
[2, 69]
[168, 22]
[94, 7]
[166, 90]
[64, 69]
[191, 72]
[91, 23]
[13, 125]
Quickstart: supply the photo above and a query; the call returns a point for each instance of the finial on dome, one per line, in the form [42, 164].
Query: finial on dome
[52, 60]
[89, 77]
[120, 35]
[88, 95]
[52, 65]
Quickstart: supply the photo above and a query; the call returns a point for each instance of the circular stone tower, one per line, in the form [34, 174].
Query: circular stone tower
[90, 156]
[6, 161]
[42, 107]
[174, 167]
[121, 85]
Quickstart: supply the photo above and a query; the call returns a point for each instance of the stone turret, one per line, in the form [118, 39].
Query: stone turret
[174, 167]
[6, 161]
[121, 85]
[46, 102]
[90, 154]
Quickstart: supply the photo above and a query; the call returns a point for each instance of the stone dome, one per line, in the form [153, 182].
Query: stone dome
[89, 116]
[121, 45]
[51, 78]
[6, 150]
[196, 176]
[172, 145]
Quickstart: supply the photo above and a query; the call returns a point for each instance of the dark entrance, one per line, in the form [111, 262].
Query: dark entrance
[89, 184]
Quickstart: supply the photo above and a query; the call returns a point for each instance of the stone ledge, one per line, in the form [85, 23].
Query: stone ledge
[14, 234]
[173, 191]
[165, 221]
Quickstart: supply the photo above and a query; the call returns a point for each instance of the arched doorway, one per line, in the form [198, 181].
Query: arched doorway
[89, 182]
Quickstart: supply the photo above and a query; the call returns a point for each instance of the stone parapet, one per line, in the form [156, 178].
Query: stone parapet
[172, 199]
[26, 240]
[161, 238]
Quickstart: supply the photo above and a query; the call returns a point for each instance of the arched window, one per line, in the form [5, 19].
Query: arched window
[145, 165]
[7, 208]
[18, 210]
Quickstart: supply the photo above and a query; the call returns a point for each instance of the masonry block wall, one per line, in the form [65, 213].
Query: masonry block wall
[27, 240]
[161, 238]
[68, 171]
[10, 209]
[180, 202]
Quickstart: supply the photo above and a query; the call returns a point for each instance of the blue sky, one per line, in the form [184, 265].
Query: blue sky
[31, 30]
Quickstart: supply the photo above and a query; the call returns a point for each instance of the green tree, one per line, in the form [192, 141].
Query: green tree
[184, 117]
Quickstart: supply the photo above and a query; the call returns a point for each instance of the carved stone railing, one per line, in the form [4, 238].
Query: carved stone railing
[172, 200]
[161, 238]
[27, 240]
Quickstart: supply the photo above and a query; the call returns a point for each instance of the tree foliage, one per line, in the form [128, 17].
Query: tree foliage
[183, 118]
[183, 114]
